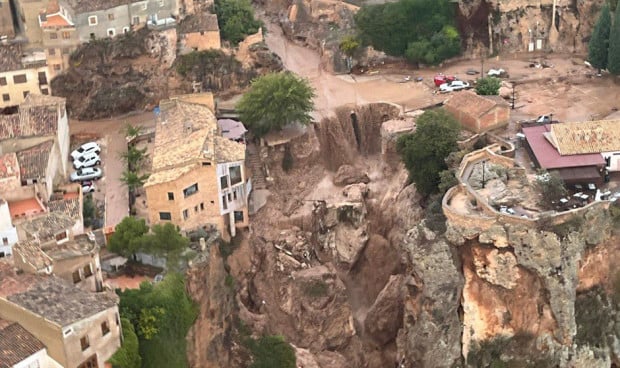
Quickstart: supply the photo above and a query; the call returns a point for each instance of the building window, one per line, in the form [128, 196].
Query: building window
[229, 198]
[238, 216]
[45, 91]
[57, 67]
[76, 276]
[6, 97]
[206, 164]
[84, 343]
[52, 52]
[165, 216]
[125, 30]
[65, 51]
[105, 328]
[185, 214]
[2, 254]
[235, 195]
[196, 209]
[224, 203]
[87, 271]
[92, 36]
[223, 182]
[92, 20]
[192, 189]
[61, 236]
[90, 363]
[2, 81]
[110, 16]
[53, 36]
[202, 206]
[5, 241]
[25, 93]
[66, 35]
[235, 175]
[111, 32]
[19, 79]
[135, 21]
[170, 196]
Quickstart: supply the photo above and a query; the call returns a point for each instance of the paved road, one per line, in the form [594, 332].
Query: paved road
[115, 192]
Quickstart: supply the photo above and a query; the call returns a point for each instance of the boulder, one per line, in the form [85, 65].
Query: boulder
[347, 174]
[385, 316]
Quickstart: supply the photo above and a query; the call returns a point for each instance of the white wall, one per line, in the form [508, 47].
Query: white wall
[7, 230]
[614, 165]
[40, 357]
[240, 188]
[63, 138]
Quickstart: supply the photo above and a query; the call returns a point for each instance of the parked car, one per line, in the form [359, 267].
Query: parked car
[88, 187]
[496, 72]
[453, 86]
[86, 148]
[88, 159]
[87, 173]
[441, 79]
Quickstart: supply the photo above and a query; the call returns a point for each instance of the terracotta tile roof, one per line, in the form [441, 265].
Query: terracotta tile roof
[33, 162]
[26, 207]
[46, 226]
[80, 246]
[228, 151]
[586, 137]
[67, 206]
[9, 166]
[84, 6]
[54, 21]
[37, 116]
[204, 22]
[50, 297]
[548, 156]
[473, 104]
[10, 58]
[16, 344]
[30, 252]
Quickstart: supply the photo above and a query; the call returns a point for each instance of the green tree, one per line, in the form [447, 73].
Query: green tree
[599, 41]
[134, 157]
[165, 240]
[128, 356]
[236, 19]
[275, 100]
[349, 45]
[272, 352]
[128, 236]
[149, 321]
[89, 210]
[133, 180]
[424, 151]
[132, 131]
[613, 60]
[551, 187]
[424, 28]
[488, 86]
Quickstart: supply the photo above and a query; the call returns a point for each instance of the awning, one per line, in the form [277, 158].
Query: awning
[584, 174]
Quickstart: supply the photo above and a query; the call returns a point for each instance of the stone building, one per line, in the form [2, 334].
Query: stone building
[78, 328]
[198, 176]
[21, 75]
[199, 32]
[59, 38]
[478, 113]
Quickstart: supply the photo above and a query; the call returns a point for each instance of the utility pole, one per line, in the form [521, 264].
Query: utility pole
[482, 56]
[513, 95]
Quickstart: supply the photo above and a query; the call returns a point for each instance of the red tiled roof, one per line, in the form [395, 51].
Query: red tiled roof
[548, 156]
[25, 207]
[55, 20]
[473, 104]
[37, 116]
[34, 160]
[16, 344]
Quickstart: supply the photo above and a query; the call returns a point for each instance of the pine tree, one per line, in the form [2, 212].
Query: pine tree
[613, 61]
[599, 41]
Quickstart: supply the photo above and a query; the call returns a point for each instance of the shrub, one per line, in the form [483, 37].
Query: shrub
[488, 86]
[236, 19]
[593, 316]
[272, 352]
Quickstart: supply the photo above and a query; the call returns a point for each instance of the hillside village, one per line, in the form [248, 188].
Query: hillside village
[401, 216]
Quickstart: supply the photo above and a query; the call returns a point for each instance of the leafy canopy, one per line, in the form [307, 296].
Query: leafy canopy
[271, 352]
[551, 187]
[127, 237]
[163, 314]
[424, 151]
[128, 356]
[236, 19]
[613, 60]
[276, 100]
[599, 42]
[488, 86]
[423, 30]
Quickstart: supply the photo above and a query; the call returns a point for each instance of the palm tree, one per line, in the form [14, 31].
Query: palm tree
[132, 131]
[133, 180]
[133, 157]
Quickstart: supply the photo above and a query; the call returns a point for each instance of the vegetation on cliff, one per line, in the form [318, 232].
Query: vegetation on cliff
[162, 315]
[236, 19]
[128, 356]
[613, 60]
[424, 151]
[276, 100]
[421, 30]
[599, 42]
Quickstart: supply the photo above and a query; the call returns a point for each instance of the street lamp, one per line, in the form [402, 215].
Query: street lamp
[483, 166]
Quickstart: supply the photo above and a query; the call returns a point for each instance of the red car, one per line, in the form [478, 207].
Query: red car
[441, 79]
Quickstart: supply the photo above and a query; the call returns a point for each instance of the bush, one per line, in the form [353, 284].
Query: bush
[271, 352]
[574, 224]
[236, 19]
[128, 356]
[349, 45]
[441, 46]
[89, 210]
[551, 187]
[488, 86]
[593, 316]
